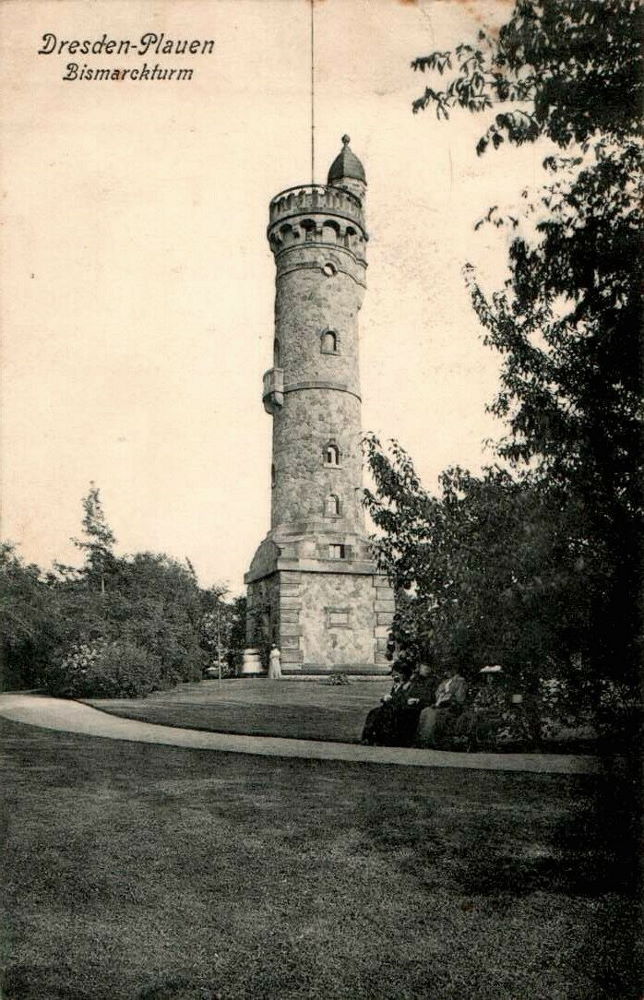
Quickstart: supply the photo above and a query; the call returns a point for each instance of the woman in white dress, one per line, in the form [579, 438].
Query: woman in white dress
[274, 664]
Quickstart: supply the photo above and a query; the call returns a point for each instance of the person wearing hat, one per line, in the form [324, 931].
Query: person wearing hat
[418, 695]
[385, 724]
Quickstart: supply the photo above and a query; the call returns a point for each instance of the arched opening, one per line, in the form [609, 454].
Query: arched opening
[332, 505]
[330, 231]
[349, 237]
[277, 358]
[332, 455]
[329, 342]
[308, 225]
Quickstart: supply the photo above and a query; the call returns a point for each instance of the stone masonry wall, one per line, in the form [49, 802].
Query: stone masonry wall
[262, 612]
[334, 622]
[307, 303]
[321, 402]
[307, 422]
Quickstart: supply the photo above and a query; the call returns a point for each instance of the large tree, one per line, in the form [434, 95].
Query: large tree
[567, 321]
[484, 570]
[117, 625]
[31, 620]
[98, 539]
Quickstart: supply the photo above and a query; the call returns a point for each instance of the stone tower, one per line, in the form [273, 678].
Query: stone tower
[312, 586]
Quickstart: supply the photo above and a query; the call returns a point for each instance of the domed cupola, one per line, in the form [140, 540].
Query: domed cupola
[346, 171]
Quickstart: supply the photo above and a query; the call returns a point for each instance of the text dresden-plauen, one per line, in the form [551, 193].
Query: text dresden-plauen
[149, 42]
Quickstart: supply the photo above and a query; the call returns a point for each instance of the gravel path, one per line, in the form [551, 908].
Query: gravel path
[74, 717]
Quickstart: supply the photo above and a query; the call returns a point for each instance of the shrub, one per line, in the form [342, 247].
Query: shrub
[104, 670]
[336, 679]
[619, 716]
[564, 708]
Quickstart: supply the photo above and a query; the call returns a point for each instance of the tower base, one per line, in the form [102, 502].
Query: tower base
[325, 616]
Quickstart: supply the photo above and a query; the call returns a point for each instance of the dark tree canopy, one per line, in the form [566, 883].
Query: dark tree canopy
[565, 69]
[544, 552]
[118, 626]
[485, 570]
[567, 321]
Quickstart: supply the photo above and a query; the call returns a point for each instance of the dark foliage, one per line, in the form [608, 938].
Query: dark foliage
[568, 68]
[118, 669]
[119, 626]
[542, 565]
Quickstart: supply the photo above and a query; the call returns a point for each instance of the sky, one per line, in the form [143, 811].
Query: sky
[137, 286]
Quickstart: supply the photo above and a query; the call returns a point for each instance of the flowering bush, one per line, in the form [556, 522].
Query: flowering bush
[101, 669]
[66, 675]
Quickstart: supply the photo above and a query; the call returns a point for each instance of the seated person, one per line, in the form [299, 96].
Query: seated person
[384, 725]
[395, 721]
[418, 695]
[438, 722]
[421, 685]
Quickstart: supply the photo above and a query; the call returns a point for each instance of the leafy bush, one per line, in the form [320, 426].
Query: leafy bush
[619, 716]
[336, 680]
[603, 710]
[31, 623]
[118, 626]
[563, 707]
[104, 670]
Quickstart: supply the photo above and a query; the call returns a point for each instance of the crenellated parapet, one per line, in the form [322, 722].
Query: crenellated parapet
[317, 214]
[327, 199]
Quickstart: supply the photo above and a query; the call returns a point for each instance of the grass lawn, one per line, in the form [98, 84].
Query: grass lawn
[312, 710]
[309, 710]
[137, 872]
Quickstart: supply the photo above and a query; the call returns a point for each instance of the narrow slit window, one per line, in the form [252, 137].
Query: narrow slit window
[329, 342]
[332, 455]
[332, 505]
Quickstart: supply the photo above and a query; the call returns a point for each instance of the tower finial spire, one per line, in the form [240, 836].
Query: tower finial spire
[346, 171]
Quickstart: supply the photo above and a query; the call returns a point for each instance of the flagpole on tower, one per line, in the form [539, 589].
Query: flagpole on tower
[312, 3]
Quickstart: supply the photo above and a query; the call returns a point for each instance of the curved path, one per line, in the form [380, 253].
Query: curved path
[74, 717]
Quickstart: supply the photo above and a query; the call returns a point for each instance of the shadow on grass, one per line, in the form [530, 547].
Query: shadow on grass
[180, 988]
[19, 980]
[594, 846]
[158, 873]
[587, 850]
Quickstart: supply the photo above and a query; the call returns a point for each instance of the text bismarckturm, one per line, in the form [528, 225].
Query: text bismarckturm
[149, 44]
